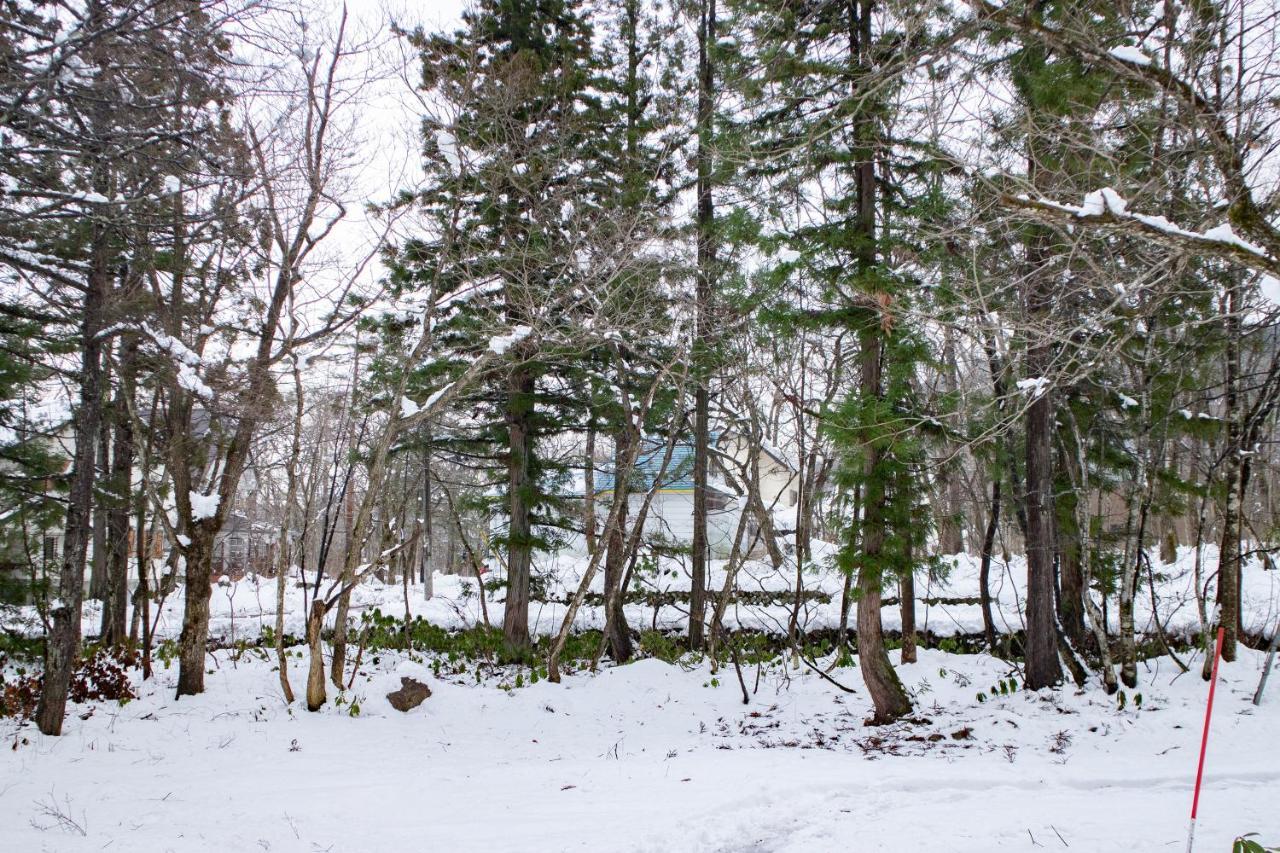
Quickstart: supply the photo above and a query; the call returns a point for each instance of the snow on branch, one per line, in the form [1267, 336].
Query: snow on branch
[499, 344]
[1106, 208]
[203, 506]
[1130, 54]
[186, 361]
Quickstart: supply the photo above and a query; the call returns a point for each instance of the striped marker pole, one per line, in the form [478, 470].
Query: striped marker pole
[1204, 740]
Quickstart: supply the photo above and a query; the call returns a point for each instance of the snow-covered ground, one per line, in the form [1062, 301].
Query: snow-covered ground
[241, 609]
[648, 757]
[653, 756]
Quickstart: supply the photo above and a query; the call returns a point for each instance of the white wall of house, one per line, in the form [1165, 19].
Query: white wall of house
[778, 483]
[671, 518]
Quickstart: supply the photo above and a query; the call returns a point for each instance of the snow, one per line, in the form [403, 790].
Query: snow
[1128, 402]
[1034, 387]
[203, 506]
[501, 343]
[408, 408]
[190, 381]
[1131, 55]
[171, 184]
[653, 756]
[647, 757]
[1224, 234]
[186, 361]
[1105, 200]
[436, 395]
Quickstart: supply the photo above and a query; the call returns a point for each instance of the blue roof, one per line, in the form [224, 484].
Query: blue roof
[678, 476]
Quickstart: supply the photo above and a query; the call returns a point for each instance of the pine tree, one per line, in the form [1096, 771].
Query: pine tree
[822, 128]
[508, 202]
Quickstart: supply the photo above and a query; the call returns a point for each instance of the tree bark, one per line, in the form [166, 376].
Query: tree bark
[1229, 545]
[617, 633]
[703, 325]
[887, 694]
[589, 491]
[907, 607]
[984, 571]
[315, 673]
[1043, 666]
[99, 564]
[62, 648]
[1070, 575]
[338, 664]
[193, 643]
[115, 606]
[519, 415]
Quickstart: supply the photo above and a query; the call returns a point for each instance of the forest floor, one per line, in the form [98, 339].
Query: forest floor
[649, 756]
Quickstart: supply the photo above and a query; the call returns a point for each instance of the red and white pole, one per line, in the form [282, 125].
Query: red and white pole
[1204, 740]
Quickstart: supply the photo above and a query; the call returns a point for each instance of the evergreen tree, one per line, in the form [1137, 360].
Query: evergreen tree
[508, 204]
[830, 71]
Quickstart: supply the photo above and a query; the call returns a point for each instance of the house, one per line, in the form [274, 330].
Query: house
[670, 518]
[244, 546]
[779, 480]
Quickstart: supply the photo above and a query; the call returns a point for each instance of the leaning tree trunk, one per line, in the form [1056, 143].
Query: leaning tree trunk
[342, 610]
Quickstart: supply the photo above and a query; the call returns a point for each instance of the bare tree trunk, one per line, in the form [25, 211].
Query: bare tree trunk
[193, 643]
[99, 557]
[338, 665]
[315, 674]
[846, 592]
[706, 275]
[907, 607]
[1043, 668]
[515, 616]
[1128, 591]
[62, 647]
[1229, 546]
[284, 550]
[142, 548]
[1071, 590]
[984, 571]
[1079, 475]
[589, 490]
[616, 631]
[115, 606]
